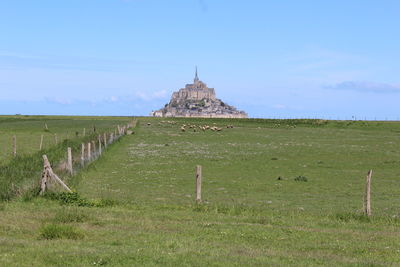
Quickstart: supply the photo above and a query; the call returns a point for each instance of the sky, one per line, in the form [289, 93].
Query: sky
[273, 59]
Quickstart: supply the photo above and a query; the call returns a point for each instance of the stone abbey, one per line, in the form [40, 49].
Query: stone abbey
[197, 100]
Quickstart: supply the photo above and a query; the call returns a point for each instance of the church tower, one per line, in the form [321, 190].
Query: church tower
[196, 78]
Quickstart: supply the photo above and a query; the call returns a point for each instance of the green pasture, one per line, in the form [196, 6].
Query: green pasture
[29, 129]
[135, 205]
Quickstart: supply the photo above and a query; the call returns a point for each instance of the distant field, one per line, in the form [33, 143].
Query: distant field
[29, 129]
[248, 217]
[19, 174]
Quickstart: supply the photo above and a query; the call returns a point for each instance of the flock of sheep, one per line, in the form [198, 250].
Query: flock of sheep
[193, 127]
[203, 127]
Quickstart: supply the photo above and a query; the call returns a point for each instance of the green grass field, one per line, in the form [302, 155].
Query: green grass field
[29, 129]
[135, 205]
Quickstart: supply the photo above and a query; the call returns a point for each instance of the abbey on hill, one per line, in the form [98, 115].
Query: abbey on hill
[197, 100]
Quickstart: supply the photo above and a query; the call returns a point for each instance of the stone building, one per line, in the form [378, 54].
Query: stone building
[197, 100]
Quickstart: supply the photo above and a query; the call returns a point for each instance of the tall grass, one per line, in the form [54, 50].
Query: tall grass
[23, 173]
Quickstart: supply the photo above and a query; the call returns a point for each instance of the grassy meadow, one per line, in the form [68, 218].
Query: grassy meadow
[29, 129]
[275, 193]
[19, 174]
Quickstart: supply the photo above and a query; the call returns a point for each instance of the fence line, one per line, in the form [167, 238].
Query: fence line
[89, 153]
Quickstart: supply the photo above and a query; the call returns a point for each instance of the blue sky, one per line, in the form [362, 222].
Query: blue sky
[273, 59]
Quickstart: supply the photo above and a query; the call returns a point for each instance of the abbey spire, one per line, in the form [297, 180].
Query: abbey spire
[196, 78]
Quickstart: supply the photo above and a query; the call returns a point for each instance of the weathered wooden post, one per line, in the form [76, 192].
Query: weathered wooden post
[41, 142]
[83, 155]
[198, 183]
[89, 150]
[45, 127]
[111, 138]
[367, 196]
[48, 174]
[69, 162]
[94, 148]
[99, 145]
[15, 145]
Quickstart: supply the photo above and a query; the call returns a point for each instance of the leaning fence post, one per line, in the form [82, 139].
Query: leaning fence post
[15, 145]
[41, 142]
[367, 196]
[69, 163]
[83, 155]
[198, 183]
[47, 174]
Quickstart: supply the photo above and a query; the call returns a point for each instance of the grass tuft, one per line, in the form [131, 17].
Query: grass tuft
[70, 216]
[301, 178]
[66, 198]
[348, 217]
[57, 231]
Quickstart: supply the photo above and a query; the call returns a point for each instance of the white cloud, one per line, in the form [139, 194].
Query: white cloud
[59, 100]
[151, 96]
[279, 106]
[364, 86]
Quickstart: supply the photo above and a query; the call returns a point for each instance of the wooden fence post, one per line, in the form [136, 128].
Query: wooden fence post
[84, 132]
[89, 154]
[83, 155]
[99, 145]
[198, 183]
[15, 145]
[48, 174]
[41, 142]
[69, 163]
[367, 196]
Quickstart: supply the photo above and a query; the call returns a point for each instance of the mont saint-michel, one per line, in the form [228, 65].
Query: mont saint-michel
[197, 100]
